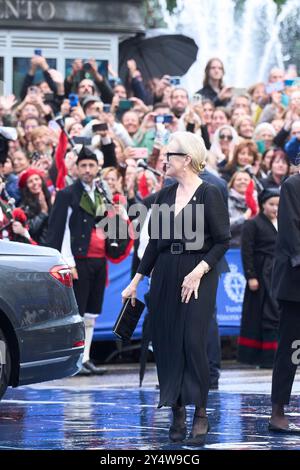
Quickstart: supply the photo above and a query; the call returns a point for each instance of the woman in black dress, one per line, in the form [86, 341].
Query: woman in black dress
[260, 316]
[184, 282]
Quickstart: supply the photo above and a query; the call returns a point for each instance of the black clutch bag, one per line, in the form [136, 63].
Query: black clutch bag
[128, 319]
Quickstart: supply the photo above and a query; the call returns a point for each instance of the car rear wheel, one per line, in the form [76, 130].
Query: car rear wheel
[5, 364]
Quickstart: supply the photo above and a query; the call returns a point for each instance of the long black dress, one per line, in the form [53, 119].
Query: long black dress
[260, 315]
[179, 330]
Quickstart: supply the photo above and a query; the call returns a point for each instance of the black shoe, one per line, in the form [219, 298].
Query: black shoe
[93, 369]
[84, 371]
[291, 429]
[195, 438]
[177, 431]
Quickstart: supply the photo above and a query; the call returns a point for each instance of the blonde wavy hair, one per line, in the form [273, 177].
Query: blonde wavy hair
[193, 145]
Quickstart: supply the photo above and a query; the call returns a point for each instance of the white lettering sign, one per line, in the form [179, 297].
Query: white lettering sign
[26, 10]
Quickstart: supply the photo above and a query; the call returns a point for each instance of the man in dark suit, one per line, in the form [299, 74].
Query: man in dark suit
[73, 231]
[286, 289]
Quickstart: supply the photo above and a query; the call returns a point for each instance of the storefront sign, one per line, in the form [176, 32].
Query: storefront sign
[27, 10]
[94, 15]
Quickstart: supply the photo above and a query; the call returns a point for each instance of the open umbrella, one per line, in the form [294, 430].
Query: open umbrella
[171, 54]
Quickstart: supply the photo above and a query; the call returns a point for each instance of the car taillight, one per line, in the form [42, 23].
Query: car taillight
[62, 274]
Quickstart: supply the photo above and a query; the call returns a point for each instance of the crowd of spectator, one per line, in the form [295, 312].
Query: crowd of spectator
[252, 137]
[249, 134]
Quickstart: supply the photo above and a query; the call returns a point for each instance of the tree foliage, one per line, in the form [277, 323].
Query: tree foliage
[172, 4]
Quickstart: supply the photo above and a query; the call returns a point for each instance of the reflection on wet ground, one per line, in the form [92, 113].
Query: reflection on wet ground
[127, 418]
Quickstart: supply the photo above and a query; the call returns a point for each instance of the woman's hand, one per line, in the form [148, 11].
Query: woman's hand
[130, 292]
[248, 214]
[190, 285]
[43, 203]
[253, 284]
[225, 93]
[74, 273]
[18, 228]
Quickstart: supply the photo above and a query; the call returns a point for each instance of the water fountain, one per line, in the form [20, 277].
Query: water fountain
[250, 37]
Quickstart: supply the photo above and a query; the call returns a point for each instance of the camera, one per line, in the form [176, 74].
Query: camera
[141, 153]
[74, 100]
[48, 97]
[125, 105]
[100, 127]
[106, 108]
[87, 67]
[82, 140]
[197, 98]
[163, 119]
[276, 86]
[175, 81]
[38, 52]
[33, 90]
[35, 156]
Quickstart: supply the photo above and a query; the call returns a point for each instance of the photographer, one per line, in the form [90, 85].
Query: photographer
[38, 62]
[86, 86]
[179, 101]
[92, 107]
[135, 84]
[104, 143]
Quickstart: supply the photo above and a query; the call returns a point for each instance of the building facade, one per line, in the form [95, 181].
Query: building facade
[63, 30]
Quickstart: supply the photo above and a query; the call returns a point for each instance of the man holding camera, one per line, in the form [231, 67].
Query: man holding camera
[73, 231]
[87, 86]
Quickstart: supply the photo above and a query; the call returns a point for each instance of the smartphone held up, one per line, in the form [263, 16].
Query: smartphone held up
[175, 81]
[141, 153]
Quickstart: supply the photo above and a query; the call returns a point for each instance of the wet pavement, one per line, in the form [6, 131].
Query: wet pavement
[112, 412]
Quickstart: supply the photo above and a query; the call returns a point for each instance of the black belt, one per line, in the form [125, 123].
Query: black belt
[178, 249]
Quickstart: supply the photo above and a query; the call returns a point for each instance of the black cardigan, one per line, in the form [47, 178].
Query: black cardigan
[216, 226]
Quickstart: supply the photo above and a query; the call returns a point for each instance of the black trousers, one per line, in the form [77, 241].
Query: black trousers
[285, 365]
[214, 349]
[90, 286]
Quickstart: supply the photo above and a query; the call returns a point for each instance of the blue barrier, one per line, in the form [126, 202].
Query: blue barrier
[229, 298]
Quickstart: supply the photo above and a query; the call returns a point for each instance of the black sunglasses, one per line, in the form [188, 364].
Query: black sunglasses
[224, 136]
[173, 154]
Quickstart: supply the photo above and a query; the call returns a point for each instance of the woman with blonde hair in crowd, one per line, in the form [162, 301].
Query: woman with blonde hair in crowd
[259, 98]
[245, 127]
[264, 135]
[113, 178]
[223, 143]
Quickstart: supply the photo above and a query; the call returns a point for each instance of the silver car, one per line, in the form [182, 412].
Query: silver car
[41, 331]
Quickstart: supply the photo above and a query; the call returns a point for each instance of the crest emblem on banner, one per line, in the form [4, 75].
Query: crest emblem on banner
[234, 284]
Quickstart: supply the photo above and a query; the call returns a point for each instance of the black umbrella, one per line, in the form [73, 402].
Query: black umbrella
[172, 54]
